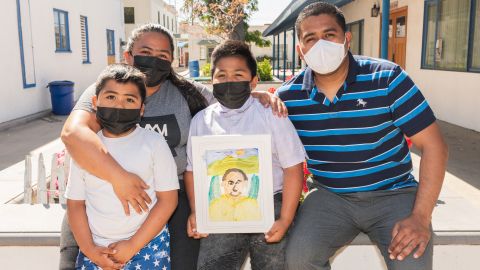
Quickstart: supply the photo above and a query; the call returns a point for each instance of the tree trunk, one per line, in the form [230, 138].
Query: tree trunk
[239, 32]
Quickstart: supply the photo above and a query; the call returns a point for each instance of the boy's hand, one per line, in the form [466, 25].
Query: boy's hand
[278, 230]
[131, 190]
[125, 251]
[192, 227]
[100, 256]
[267, 99]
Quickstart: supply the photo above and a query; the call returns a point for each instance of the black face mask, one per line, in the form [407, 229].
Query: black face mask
[232, 94]
[156, 69]
[118, 121]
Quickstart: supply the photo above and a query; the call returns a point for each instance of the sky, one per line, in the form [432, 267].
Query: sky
[268, 10]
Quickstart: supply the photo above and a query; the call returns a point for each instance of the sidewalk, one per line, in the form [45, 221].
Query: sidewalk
[18, 141]
[464, 146]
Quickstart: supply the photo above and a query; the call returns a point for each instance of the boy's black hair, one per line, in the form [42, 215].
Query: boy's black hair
[234, 48]
[122, 73]
[319, 8]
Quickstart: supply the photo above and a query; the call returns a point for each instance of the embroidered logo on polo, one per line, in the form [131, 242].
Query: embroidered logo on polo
[167, 125]
[361, 102]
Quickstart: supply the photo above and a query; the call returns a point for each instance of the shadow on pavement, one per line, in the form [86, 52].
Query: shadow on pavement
[464, 148]
[16, 142]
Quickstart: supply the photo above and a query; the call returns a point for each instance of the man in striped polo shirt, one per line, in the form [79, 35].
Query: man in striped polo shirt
[352, 113]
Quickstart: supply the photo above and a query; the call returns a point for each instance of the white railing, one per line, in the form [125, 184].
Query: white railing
[49, 185]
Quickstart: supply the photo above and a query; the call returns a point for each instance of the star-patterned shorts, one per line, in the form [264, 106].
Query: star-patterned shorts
[155, 255]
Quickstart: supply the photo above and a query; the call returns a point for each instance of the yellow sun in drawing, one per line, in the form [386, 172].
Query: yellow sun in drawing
[240, 152]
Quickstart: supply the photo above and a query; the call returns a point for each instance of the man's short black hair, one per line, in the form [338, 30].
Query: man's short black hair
[319, 8]
[122, 73]
[234, 48]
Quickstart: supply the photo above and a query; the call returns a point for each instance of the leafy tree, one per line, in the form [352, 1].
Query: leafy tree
[255, 37]
[223, 18]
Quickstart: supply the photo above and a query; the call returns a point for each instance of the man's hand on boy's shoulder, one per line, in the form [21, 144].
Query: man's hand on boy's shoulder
[268, 99]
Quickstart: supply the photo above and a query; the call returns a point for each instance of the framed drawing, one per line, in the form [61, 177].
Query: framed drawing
[233, 183]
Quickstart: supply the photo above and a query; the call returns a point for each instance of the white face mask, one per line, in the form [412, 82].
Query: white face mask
[325, 56]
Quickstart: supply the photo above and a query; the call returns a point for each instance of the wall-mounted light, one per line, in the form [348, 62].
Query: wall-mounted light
[375, 10]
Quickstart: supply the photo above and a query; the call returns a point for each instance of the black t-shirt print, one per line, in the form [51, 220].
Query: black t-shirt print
[167, 125]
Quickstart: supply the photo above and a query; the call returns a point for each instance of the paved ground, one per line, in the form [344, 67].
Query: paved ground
[18, 141]
[464, 147]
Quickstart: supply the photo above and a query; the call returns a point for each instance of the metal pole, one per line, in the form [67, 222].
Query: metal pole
[278, 55]
[385, 28]
[293, 51]
[273, 57]
[284, 54]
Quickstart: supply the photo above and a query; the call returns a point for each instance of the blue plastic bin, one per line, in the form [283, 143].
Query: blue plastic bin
[61, 93]
[194, 68]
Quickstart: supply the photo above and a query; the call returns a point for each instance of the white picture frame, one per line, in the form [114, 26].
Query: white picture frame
[223, 202]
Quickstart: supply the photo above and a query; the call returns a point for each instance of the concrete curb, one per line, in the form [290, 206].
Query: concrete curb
[30, 239]
[24, 120]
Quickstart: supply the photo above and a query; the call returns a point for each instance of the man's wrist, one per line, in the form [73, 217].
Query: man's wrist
[424, 217]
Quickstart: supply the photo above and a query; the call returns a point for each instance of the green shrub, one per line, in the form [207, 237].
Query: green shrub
[265, 70]
[206, 70]
[263, 57]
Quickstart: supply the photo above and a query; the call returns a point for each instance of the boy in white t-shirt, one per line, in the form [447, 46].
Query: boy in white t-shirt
[109, 239]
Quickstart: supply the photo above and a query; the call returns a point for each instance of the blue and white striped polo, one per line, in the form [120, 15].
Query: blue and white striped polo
[356, 141]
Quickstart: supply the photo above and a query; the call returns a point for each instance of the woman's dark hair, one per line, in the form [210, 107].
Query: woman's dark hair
[234, 48]
[319, 8]
[122, 73]
[196, 101]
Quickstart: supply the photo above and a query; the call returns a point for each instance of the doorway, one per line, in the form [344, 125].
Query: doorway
[397, 36]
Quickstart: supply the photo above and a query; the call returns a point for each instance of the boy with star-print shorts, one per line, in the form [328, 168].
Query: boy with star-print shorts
[156, 255]
[107, 237]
